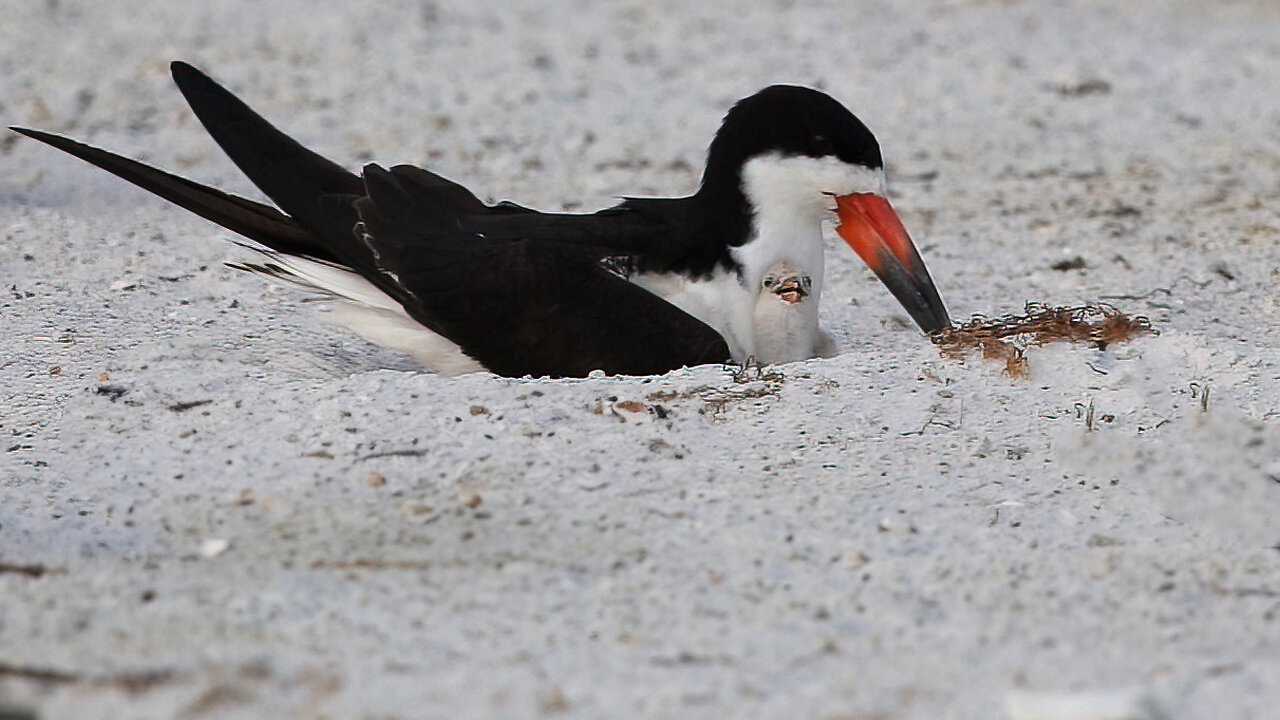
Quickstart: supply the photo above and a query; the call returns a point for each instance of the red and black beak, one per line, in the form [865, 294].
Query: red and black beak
[871, 227]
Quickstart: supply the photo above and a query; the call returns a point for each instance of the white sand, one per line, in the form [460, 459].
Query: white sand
[887, 534]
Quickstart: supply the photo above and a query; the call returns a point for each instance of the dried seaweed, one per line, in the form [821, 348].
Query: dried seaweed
[1006, 338]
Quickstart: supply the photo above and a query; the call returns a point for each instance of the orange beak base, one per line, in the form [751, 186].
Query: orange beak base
[871, 227]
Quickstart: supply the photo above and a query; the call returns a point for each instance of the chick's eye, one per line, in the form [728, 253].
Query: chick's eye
[770, 281]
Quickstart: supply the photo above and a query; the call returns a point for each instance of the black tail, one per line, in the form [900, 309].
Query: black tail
[254, 220]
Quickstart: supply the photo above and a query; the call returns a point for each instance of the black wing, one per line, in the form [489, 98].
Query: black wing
[523, 307]
[316, 192]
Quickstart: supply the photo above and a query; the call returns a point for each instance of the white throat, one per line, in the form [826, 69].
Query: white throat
[790, 196]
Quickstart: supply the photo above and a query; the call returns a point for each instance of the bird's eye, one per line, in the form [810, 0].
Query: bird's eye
[770, 281]
[822, 145]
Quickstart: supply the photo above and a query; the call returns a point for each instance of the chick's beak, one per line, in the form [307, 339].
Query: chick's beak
[871, 227]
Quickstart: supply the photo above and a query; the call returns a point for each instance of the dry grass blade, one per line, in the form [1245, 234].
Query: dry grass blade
[750, 381]
[1006, 337]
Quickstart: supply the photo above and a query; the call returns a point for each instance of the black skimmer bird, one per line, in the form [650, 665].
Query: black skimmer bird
[419, 263]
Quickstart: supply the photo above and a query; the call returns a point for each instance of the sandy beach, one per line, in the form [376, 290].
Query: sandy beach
[216, 503]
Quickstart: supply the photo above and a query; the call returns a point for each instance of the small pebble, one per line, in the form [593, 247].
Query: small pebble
[470, 498]
[213, 547]
[373, 479]
[416, 507]
[551, 700]
[854, 558]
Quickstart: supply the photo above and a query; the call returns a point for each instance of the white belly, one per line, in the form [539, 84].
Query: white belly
[754, 324]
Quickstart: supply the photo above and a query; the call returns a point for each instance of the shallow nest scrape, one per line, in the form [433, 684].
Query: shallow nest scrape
[1006, 337]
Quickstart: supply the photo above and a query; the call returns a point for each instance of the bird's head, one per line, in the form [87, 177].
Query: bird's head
[794, 151]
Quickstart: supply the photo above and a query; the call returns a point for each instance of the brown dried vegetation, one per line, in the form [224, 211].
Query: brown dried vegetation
[1006, 338]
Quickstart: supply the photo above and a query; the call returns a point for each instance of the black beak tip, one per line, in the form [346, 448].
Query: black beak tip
[918, 296]
[931, 325]
[935, 321]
